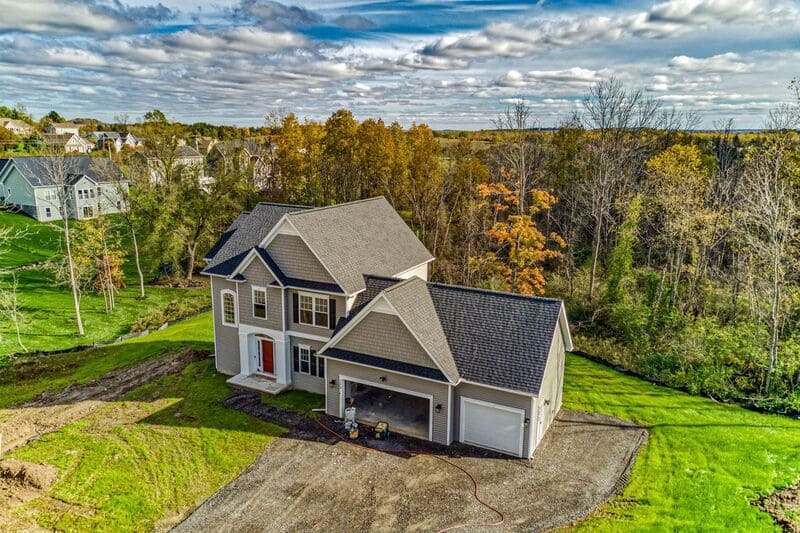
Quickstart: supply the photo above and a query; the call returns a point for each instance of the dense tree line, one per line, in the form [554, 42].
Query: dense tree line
[676, 251]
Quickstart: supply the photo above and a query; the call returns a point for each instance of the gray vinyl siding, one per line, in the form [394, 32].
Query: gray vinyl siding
[552, 381]
[439, 391]
[226, 338]
[386, 336]
[16, 190]
[301, 381]
[296, 260]
[257, 274]
[485, 394]
[312, 330]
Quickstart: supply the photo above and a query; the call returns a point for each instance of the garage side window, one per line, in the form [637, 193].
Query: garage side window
[305, 361]
[229, 312]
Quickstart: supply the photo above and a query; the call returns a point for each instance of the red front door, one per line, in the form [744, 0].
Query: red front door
[267, 357]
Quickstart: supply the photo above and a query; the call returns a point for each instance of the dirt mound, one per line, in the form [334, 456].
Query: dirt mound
[32, 475]
[784, 507]
[53, 410]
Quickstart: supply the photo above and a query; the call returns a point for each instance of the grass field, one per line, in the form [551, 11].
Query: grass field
[36, 242]
[48, 315]
[165, 447]
[22, 382]
[703, 464]
[704, 461]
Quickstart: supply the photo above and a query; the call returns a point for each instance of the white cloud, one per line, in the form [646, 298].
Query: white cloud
[722, 63]
[668, 19]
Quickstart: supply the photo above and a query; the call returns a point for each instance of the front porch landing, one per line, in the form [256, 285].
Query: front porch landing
[258, 383]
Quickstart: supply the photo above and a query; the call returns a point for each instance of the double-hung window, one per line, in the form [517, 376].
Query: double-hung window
[313, 310]
[229, 313]
[259, 302]
[305, 361]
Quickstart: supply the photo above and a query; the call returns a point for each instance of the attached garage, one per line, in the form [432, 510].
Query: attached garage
[406, 412]
[492, 426]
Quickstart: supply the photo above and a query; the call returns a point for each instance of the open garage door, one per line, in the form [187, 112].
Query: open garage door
[405, 412]
[492, 426]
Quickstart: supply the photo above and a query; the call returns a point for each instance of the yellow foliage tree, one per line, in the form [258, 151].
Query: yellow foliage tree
[518, 248]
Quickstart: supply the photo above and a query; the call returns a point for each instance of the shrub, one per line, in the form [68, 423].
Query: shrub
[174, 310]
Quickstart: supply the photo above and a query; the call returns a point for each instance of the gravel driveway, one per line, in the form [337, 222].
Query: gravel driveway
[299, 485]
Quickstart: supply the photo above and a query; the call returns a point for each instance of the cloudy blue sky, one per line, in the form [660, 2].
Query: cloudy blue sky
[452, 64]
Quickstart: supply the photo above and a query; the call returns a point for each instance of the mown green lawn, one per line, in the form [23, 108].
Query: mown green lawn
[161, 450]
[704, 461]
[48, 314]
[21, 382]
[35, 241]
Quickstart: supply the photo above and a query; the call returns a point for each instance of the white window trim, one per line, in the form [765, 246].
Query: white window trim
[300, 349]
[222, 293]
[253, 290]
[314, 298]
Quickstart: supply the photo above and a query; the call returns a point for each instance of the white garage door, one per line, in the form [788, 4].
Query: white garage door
[492, 426]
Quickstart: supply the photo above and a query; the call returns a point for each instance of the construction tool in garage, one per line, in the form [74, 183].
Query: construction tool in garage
[381, 431]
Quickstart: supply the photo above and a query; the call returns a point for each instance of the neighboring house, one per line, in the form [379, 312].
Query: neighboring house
[185, 157]
[335, 300]
[17, 127]
[67, 142]
[105, 139]
[243, 154]
[26, 183]
[62, 128]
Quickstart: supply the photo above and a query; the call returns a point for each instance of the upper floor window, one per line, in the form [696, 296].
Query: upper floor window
[229, 313]
[259, 302]
[313, 310]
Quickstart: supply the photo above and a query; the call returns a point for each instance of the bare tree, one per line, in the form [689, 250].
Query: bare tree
[625, 125]
[120, 195]
[10, 307]
[523, 153]
[770, 216]
[58, 170]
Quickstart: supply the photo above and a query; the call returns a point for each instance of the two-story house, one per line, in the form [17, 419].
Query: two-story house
[91, 186]
[67, 142]
[336, 300]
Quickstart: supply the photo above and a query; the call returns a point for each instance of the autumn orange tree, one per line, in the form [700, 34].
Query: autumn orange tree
[517, 248]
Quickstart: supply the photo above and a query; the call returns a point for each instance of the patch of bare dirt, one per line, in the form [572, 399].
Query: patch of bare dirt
[21, 482]
[53, 410]
[784, 506]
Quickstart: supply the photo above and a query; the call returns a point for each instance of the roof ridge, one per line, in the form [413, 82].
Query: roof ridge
[278, 204]
[354, 202]
[493, 292]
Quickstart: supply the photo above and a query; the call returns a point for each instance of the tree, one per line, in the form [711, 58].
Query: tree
[10, 307]
[522, 153]
[770, 217]
[620, 260]
[615, 152]
[156, 115]
[57, 169]
[53, 116]
[98, 260]
[679, 183]
[121, 192]
[518, 247]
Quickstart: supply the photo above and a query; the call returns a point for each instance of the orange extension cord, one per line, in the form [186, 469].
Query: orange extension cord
[471, 478]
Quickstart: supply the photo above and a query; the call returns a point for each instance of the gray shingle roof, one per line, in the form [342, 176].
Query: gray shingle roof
[357, 238]
[35, 169]
[245, 233]
[413, 302]
[350, 240]
[495, 338]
